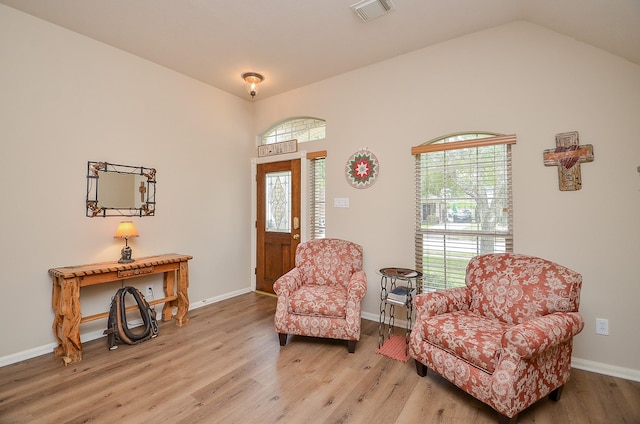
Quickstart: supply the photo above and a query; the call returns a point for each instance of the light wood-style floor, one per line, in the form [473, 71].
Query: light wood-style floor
[226, 366]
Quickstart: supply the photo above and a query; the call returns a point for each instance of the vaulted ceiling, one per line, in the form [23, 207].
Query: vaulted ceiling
[297, 42]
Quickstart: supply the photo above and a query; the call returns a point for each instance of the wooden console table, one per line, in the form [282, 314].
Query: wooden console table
[66, 294]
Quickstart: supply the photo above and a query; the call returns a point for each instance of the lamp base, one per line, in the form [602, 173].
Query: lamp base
[125, 255]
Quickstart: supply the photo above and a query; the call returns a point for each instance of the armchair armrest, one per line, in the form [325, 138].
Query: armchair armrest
[539, 334]
[442, 302]
[357, 286]
[288, 283]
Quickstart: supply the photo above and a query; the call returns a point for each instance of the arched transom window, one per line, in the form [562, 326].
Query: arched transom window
[302, 129]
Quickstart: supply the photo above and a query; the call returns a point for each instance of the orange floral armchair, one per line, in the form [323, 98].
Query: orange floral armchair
[321, 295]
[506, 338]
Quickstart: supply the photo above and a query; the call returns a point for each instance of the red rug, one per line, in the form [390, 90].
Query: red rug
[394, 348]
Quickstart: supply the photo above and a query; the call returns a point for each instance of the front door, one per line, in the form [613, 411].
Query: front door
[278, 220]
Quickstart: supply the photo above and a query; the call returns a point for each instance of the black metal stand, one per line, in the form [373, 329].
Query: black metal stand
[388, 284]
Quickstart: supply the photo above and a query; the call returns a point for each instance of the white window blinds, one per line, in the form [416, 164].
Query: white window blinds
[317, 201]
[463, 204]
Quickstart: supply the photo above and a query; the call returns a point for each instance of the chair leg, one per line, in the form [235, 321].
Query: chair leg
[421, 368]
[351, 344]
[503, 419]
[283, 339]
[555, 395]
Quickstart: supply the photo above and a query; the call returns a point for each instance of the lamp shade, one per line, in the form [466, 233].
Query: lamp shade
[125, 230]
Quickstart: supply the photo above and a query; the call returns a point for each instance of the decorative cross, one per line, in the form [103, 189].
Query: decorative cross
[142, 189]
[567, 156]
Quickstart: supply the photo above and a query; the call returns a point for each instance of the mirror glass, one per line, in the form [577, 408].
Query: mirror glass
[120, 190]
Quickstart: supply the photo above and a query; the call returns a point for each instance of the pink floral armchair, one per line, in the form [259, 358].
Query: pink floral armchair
[505, 338]
[321, 296]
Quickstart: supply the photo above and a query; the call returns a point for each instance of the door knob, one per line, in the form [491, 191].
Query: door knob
[296, 236]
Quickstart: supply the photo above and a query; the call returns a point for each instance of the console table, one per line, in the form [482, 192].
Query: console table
[66, 294]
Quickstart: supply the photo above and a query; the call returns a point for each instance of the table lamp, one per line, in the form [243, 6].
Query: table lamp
[125, 230]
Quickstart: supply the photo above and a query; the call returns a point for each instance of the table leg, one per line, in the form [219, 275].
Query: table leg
[409, 321]
[169, 290]
[67, 321]
[183, 295]
[383, 310]
[57, 316]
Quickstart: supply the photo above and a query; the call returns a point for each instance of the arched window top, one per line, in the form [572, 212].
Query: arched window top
[461, 136]
[463, 140]
[302, 129]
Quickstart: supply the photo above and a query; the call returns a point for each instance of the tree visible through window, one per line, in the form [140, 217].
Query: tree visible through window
[463, 204]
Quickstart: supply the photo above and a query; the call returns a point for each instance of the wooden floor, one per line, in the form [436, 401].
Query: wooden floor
[226, 366]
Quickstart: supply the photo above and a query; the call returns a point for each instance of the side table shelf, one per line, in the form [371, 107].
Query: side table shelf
[397, 288]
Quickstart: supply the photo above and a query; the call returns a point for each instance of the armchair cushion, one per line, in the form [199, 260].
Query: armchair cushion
[314, 299]
[474, 338]
[328, 261]
[515, 288]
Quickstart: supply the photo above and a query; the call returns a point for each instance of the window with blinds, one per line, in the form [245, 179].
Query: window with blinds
[463, 204]
[301, 129]
[317, 200]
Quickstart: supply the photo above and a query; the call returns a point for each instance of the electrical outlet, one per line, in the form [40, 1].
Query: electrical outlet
[602, 326]
[149, 291]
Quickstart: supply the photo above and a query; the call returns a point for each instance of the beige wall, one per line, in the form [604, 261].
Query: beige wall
[518, 78]
[65, 100]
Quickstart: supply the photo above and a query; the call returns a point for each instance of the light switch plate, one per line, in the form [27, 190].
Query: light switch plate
[340, 202]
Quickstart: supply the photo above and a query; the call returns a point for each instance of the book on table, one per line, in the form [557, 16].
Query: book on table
[400, 295]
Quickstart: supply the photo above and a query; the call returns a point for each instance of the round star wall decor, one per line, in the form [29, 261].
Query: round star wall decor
[362, 169]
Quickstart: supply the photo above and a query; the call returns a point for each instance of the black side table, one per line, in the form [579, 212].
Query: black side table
[397, 288]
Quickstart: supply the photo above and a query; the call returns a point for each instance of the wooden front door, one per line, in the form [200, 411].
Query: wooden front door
[278, 220]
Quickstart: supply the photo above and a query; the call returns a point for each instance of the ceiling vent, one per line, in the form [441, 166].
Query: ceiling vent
[371, 9]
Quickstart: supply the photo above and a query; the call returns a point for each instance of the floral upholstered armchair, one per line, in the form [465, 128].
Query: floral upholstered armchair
[321, 296]
[505, 338]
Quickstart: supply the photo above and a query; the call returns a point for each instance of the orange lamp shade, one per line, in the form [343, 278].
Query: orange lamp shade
[125, 230]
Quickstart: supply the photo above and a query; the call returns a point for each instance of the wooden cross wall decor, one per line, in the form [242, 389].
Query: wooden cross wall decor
[142, 189]
[567, 156]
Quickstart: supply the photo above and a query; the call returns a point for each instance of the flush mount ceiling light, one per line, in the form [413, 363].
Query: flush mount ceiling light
[371, 9]
[253, 80]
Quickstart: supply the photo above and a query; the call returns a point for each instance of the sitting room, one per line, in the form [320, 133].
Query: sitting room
[196, 105]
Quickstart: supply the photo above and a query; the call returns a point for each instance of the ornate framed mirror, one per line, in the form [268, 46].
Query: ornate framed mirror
[120, 190]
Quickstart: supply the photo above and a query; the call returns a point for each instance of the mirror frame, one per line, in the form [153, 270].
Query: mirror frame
[94, 208]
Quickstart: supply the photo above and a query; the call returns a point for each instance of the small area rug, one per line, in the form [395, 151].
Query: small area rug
[394, 348]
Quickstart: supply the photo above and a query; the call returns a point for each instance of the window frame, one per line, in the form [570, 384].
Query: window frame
[446, 270]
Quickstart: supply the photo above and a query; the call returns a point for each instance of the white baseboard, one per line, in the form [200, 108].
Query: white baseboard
[578, 363]
[219, 298]
[93, 335]
[27, 354]
[606, 369]
[372, 317]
